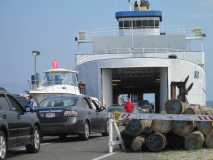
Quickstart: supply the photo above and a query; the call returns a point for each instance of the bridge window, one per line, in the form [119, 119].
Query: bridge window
[121, 24]
[139, 24]
[157, 23]
[127, 24]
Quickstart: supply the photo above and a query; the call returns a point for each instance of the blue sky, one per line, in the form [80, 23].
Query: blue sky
[51, 25]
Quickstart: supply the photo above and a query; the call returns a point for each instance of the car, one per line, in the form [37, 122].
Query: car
[18, 126]
[71, 115]
[145, 106]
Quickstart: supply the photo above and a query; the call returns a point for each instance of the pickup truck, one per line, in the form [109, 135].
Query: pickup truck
[18, 126]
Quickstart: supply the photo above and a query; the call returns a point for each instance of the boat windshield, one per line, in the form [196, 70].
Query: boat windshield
[60, 78]
[58, 102]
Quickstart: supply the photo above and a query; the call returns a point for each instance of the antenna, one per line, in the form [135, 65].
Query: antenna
[130, 5]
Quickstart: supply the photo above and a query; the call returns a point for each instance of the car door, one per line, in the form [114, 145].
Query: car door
[22, 120]
[101, 116]
[92, 115]
[6, 115]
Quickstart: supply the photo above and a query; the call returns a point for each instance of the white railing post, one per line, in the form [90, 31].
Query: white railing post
[110, 133]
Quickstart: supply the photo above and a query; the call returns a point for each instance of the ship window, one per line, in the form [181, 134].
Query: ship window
[134, 25]
[121, 24]
[127, 24]
[150, 24]
[157, 23]
[138, 24]
[145, 23]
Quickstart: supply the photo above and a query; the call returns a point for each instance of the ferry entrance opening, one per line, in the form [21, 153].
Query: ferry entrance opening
[140, 84]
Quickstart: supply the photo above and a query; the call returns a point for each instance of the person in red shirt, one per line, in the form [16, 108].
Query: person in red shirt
[129, 106]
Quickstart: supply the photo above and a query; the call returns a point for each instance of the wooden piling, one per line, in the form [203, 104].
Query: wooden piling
[156, 142]
[183, 128]
[209, 139]
[135, 127]
[204, 127]
[175, 107]
[161, 126]
[137, 144]
[192, 109]
[194, 140]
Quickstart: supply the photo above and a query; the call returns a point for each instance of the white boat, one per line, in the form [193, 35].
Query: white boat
[140, 57]
[56, 81]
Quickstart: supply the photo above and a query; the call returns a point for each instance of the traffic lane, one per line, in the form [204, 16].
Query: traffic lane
[71, 149]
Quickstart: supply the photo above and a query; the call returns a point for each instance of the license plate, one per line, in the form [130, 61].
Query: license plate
[50, 115]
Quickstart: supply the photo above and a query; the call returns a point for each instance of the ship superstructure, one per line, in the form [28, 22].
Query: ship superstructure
[140, 57]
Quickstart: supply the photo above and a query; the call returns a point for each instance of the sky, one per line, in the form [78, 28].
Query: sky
[51, 25]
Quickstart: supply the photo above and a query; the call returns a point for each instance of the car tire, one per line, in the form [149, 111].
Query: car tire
[34, 147]
[106, 132]
[3, 146]
[85, 136]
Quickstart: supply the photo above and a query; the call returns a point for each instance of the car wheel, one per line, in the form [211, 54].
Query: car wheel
[86, 134]
[106, 132]
[35, 146]
[3, 146]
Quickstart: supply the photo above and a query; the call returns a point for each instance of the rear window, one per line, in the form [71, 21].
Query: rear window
[59, 102]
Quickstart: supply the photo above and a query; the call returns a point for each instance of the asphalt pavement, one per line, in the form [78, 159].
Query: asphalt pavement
[70, 149]
[96, 149]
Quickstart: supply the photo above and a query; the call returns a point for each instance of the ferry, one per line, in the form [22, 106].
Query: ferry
[142, 56]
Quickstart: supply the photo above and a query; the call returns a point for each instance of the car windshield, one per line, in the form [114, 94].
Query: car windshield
[59, 102]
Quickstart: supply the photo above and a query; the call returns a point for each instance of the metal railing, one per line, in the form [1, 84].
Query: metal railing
[115, 31]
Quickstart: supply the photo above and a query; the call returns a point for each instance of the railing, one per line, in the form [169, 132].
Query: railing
[137, 51]
[115, 31]
[140, 50]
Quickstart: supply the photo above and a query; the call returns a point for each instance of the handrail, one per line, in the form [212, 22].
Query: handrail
[168, 29]
[137, 51]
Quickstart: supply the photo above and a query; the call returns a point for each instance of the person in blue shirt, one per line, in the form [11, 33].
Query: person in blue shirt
[31, 103]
